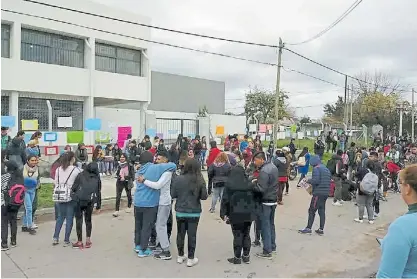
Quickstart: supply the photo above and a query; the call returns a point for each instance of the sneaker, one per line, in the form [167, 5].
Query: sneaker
[365, 217]
[137, 248]
[34, 226]
[305, 231]
[164, 255]
[192, 262]
[116, 214]
[31, 231]
[234, 260]
[144, 254]
[67, 243]
[337, 203]
[128, 210]
[274, 251]
[13, 244]
[256, 243]
[319, 232]
[358, 220]
[376, 215]
[264, 255]
[371, 222]
[156, 249]
[286, 193]
[151, 244]
[25, 229]
[78, 245]
[181, 259]
[88, 244]
[4, 247]
[55, 242]
[246, 259]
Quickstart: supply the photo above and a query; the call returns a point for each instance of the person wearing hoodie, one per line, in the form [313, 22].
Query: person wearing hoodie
[231, 155]
[86, 191]
[338, 171]
[81, 155]
[32, 149]
[238, 208]
[17, 150]
[146, 200]
[214, 151]
[218, 173]
[282, 165]
[116, 153]
[319, 148]
[248, 153]
[146, 143]
[244, 143]
[320, 181]
[125, 176]
[189, 190]
[10, 176]
[31, 182]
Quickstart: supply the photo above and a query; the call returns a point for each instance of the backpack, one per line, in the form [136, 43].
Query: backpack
[88, 186]
[331, 165]
[62, 193]
[369, 183]
[15, 195]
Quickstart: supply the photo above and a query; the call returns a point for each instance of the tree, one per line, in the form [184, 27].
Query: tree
[261, 103]
[305, 120]
[377, 82]
[377, 108]
[335, 111]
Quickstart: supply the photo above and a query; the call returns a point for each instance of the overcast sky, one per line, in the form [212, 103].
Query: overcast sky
[379, 35]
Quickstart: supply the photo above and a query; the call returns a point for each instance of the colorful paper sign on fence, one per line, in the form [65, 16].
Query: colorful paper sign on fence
[93, 124]
[64, 122]
[124, 130]
[8, 121]
[90, 149]
[30, 125]
[50, 136]
[269, 127]
[293, 128]
[51, 150]
[160, 135]
[219, 130]
[75, 137]
[102, 137]
[262, 128]
[27, 137]
[151, 132]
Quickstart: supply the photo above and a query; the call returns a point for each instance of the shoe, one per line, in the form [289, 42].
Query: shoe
[164, 255]
[337, 203]
[181, 259]
[264, 255]
[371, 222]
[305, 231]
[31, 231]
[256, 243]
[341, 201]
[88, 244]
[234, 260]
[116, 214]
[319, 232]
[192, 262]
[67, 243]
[358, 220]
[55, 242]
[365, 217]
[151, 244]
[4, 247]
[144, 254]
[274, 252]
[286, 193]
[137, 248]
[128, 210]
[13, 244]
[376, 215]
[78, 245]
[34, 226]
[156, 249]
[211, 210]
[246, 259]
[25, 229]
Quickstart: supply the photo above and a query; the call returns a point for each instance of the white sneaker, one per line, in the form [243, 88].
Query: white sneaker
[34, 226]
[116, 214]
[376, 215]
[371, 222]
[358, 220]
[181, 260]
[365, 216]
[128, 210]
[192, 262]
[342, 201]
[337, 203]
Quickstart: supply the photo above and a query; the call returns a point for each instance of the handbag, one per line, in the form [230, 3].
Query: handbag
[307, 186]
[301, 161]
[62, 193]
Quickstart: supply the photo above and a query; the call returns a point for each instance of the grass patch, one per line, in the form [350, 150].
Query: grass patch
[45, 195]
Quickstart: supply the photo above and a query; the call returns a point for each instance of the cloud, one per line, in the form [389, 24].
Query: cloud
[378, 35]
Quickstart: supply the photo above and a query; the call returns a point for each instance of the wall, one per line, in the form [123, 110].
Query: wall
[54, 79]
[111, 118]
[186, 94]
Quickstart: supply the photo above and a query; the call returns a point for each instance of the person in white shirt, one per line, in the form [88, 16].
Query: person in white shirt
[164, 208]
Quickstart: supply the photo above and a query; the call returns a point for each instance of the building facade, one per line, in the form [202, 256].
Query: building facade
[76, 61]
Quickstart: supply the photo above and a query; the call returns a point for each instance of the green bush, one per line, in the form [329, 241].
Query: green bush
[45, 195]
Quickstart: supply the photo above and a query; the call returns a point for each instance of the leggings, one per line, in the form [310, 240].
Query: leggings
[187, 225]
[120, 186]
[8, 217]
[83, 211]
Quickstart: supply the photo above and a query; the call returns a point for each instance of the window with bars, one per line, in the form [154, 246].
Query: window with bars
[5, 40]
[5, 105]
[119, 60]
[49, 48]
[34, 108]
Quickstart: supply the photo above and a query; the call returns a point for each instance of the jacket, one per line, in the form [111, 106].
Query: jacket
[17, 151]
[116, 153]
[267, 183]
[87, 186]
[173, 156]
[218, 173]
[81, 155]
[127, 178]
[319, 148]
[188, 191]
[339, 166]
[282, 165]
[238, 202]
[321, 177]
[212, 155]
[197, 148]
[304, 169]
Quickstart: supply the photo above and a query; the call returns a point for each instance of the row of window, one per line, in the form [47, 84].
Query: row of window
[49, 48]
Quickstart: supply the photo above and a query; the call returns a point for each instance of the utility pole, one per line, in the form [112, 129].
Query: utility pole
[413, 111]
[400, 132]
[278, 97]
[345, 112]
[351, 108]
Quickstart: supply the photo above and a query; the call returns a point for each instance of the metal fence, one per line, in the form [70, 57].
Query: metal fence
[169, 129]
[5, 105]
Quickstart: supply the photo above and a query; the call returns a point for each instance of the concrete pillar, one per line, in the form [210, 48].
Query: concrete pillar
[142, 120]
[14, 111]
[89, 110]
[15, 40]
[204, 127]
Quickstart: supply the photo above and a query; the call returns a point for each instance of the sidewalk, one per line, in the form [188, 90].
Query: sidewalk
[346, 248]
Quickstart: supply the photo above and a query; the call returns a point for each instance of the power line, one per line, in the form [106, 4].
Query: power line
[142, 39]
[154, 27]
[339, 19]
[311, 76]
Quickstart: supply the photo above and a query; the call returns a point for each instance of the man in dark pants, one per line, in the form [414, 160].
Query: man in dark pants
[320, 182]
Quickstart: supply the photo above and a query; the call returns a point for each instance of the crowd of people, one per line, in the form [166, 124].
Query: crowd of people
[248, 182]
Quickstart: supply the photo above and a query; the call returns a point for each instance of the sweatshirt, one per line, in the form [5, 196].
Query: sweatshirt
[163, 184]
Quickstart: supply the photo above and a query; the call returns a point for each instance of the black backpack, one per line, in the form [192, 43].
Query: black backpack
[87, 188]
[331, 165]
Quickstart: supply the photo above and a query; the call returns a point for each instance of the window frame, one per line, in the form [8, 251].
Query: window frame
[5, 41]
[116, 59]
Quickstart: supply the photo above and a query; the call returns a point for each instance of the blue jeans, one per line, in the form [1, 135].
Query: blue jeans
[342, 146]
[217, 195]
[65, 212]
[27, 216]
[268, 228]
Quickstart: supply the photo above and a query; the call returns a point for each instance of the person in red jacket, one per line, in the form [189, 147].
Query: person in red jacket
[214, 151]
[247, 154]
[393, 170]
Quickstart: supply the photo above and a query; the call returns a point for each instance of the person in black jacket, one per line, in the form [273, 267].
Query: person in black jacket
[198, 147]
[125, 175]
[282, 164]
[133, 152]
[238, 209]
[218, 173]
[86, 191]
